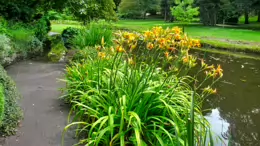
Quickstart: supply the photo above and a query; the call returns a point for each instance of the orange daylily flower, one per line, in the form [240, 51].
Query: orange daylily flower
[150, 46]
[162, 41]
[177, 37]
[219, 71]
[119, 49]
[185, 59]
[166, 54]
[177, 30]
[148, 34]
[101, 55]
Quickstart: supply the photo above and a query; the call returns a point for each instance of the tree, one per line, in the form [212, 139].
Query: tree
[148, 5]
[117, 3]
[258, 15]
[184, 11]
[166, 9]
[228, 12]
[244, 6]
[25, 10]
[86, 10]
[256, 6]
[208, 11]
[130, 9]
[137, 8]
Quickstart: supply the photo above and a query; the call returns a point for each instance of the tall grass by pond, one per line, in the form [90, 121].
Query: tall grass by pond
[138, 92]
[92, 34]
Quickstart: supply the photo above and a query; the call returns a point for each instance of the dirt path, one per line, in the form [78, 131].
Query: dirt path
[44, 114]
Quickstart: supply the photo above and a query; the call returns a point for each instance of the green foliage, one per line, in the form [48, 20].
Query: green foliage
[2, 103]
[25, 10]
[184, 11]
[22, 41]
[68, 35]
[19, 41]
[6, 50]
[92, 35]
[12, 111]
[87, 10]
[35, 46]
[81, 55]
[54, 15]
[130, 9]
[134, 103]
[43, 26]
[58, 50]
[137, 8]
[3, 26]
[140, 93]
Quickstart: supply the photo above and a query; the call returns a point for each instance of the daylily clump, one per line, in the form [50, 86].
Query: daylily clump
[142, 90]
[167, 47]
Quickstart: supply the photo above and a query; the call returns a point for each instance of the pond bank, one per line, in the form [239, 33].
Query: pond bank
[231, 45]
[228, 53]
[44, 114]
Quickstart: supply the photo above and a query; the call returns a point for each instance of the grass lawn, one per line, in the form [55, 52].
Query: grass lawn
[226, 37]
[60, 27]
[195, 30]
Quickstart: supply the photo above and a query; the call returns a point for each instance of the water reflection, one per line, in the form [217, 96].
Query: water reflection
[237, 104]
[220, 127]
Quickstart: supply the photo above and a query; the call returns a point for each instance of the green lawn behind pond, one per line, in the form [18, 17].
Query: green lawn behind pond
[227, 37]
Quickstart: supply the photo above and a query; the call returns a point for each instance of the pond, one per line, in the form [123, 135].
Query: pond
[235, 110]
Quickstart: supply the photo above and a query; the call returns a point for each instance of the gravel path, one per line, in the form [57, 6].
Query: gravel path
[44, 114]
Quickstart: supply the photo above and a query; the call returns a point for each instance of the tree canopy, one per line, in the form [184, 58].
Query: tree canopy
[25, 10]
[211, 11]
[86, 10]
[138, 8]
[184, 11]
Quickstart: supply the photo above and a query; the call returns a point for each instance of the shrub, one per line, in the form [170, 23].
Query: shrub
[42, 28]
[53, 15]
[68, 35]
[7, 53]
[2, 103]
[93, 34]
[21, 38]
[12, 111]
[58, 49]
[139, 91]
[3, 26]
[35, 46]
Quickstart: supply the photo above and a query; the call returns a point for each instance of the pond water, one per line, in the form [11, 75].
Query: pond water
[235, 109]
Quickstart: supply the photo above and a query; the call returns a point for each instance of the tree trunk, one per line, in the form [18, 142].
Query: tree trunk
[166, 10]
[258, 20]
[246, 17]
[165, 15]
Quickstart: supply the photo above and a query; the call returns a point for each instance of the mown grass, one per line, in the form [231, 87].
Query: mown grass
[194, 30]
[55, 27]
[252, 19]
